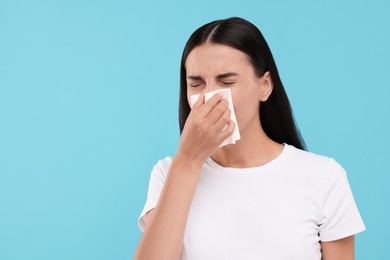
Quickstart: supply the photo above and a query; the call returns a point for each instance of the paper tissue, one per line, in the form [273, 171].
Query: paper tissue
[227, 95]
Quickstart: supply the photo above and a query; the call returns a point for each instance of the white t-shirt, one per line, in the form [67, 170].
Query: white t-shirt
[280, 210]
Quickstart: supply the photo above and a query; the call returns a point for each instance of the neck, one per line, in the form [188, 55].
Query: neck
[254, 148]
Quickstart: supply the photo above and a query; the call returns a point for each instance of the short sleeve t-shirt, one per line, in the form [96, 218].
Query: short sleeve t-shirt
[280, 210]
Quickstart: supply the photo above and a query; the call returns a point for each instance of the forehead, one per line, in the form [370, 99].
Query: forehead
[216, 58]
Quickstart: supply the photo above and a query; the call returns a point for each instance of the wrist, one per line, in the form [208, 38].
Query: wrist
[187, 160]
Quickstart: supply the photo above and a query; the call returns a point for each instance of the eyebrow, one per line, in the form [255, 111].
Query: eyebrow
[219, 77]
[227, 75]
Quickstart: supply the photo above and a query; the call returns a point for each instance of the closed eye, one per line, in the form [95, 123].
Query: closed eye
[195, 85]
[228, 83]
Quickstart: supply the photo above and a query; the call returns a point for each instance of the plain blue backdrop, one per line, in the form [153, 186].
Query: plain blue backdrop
[89, 97]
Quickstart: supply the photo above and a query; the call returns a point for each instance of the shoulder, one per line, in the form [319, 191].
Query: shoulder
[313, 161]
[162, 166]
[302, 155]
[164, 163]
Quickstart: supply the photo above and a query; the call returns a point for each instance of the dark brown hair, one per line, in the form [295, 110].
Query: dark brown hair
[276, 114]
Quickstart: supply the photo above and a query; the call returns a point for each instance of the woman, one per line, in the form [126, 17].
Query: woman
[261, 198]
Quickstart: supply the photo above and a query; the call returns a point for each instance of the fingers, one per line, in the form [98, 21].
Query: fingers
[218, 111]
[214, 116]
[208, 106]
[223, 120]
[229, 131]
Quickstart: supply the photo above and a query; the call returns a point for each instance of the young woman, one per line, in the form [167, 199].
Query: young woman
[264, 197]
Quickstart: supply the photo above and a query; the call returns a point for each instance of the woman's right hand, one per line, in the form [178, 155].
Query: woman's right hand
[202, 133]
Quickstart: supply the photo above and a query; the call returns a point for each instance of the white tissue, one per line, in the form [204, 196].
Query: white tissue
[227, 95]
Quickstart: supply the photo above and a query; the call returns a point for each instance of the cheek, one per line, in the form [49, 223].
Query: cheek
[190, 92]
[246, 107]
[242, 101]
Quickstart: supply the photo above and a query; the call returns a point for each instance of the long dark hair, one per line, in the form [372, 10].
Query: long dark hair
[276, 115]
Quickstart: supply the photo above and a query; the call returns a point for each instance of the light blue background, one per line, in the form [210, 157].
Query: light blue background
[88, 104]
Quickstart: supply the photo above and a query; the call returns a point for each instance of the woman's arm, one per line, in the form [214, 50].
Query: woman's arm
[202, 134]
[342, 249]
[165, 225]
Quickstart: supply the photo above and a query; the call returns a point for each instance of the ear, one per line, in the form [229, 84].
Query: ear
[266, 86]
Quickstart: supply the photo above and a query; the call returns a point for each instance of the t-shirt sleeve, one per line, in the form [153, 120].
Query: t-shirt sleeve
[340, 215]
[156, 183]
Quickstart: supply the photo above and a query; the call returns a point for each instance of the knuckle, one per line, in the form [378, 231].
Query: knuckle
[225, 119]
[220, 108]
[228, 111]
